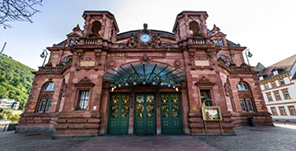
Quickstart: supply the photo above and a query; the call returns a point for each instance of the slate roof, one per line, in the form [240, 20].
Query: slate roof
[282, 66]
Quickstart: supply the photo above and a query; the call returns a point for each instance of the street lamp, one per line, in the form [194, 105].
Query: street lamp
[248, 55]
[44, 55]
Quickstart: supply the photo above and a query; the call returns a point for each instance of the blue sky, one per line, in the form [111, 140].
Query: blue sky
[265, 26]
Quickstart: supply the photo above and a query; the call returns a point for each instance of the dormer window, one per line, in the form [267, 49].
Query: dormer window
[95, 29]
[194, 30]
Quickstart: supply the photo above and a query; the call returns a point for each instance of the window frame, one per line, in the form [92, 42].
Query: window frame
[244, 86]
[289, 108]
[273, 84]
[282, 107]
[47, 85]
[272, 109]
[45, 106]
[245, 101]
[286, 97]
[78, 107]
[282, 82]
[277, 95]
[269, 97]
[210, 96]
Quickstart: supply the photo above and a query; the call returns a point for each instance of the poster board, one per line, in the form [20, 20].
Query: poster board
[211, 113]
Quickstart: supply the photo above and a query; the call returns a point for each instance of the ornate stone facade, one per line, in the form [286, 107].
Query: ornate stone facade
[102, 78]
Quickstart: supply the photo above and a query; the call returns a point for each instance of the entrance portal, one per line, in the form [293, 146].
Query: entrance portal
[145, 121]
[171, 118]
[119, 113]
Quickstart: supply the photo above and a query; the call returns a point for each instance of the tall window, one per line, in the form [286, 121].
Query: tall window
[83, 99]
[246, 105]
[273, 84]
[245, 97]
[277, 95]
[282, 82]
[206, 95]
[292, 110]
[49, 87]
[273, 111]
[265, 86]
[286, 94]
[44, 106]
[282, 111]
[269, 97]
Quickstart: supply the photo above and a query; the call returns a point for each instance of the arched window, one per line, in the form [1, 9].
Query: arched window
[242, 86]
[224, 59]
[45, 98]
[194, 29]
[245, 97]
[96, 28]
[49, 87]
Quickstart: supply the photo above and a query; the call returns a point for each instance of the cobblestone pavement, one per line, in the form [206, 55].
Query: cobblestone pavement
[145, 143]
[259, 138]
[10, 141]
[279, 138]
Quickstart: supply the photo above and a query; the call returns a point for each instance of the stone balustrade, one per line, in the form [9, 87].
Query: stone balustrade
[89, 41]
[237, 68]
[53, 69]
[197, 41]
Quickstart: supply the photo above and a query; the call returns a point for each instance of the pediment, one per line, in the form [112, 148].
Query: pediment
[85, 82]
[203, 81]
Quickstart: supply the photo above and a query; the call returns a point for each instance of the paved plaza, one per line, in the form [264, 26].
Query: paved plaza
[281, 137]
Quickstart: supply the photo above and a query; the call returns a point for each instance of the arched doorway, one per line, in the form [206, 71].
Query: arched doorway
[146, 104]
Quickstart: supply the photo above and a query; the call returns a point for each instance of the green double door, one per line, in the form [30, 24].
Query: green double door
[119, 113]
[171, 117]
[145, 114]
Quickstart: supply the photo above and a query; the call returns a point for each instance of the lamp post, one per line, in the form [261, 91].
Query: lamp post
[2, 48]
[44, 55]
[248, 55]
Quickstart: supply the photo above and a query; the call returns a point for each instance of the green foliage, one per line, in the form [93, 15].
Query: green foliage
[15, 80]
[14, 118]
[3, 116]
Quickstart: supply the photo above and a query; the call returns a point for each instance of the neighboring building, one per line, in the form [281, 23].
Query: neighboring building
[9, 104]
[144, 81]
[278, 86]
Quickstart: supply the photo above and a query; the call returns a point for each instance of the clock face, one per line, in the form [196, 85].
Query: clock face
[145, 37]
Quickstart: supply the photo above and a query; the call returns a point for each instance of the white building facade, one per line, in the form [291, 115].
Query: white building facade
[9, 104]
[279, 89]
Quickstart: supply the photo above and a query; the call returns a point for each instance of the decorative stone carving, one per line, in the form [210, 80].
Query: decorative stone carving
[204, 81]
[145, 59]
[132, 42]
[226, 89]
[135, 42]
[85, 82]
[178, 64]
[79, 54]
[98, 53]
[111, 63]
[46, 95]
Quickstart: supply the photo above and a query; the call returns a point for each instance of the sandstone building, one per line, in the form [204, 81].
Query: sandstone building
[99, 81]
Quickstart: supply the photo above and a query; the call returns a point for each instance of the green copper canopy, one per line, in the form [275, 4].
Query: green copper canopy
[144, 74]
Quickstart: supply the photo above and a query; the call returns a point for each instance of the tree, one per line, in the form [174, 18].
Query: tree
[18, 10]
